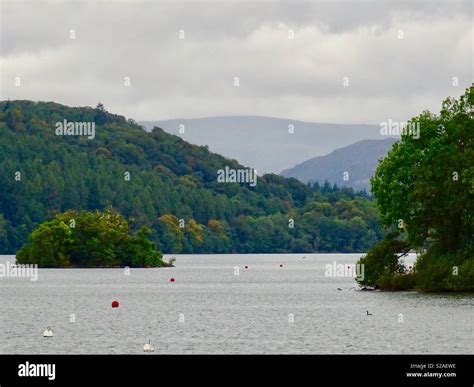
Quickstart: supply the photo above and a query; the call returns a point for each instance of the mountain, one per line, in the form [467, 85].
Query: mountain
[265, 142]
[359, 160]
[55, 158]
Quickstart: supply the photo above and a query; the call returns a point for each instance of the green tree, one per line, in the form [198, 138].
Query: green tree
[89, 239]
[425, 186]
[384, 260]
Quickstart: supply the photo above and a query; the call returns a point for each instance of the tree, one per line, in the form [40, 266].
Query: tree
[5, 228]
[100, 116]
[383, 261]
[47, 245]
[171, 235]
[425, 186]
[89, 239]
[14, 119]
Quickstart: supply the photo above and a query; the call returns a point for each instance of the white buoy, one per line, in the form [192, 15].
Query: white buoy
[148, 347]
[48, 332]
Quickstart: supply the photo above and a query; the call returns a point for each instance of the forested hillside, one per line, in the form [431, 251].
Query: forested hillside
[155, 179]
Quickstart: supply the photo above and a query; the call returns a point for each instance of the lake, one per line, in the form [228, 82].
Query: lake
[212, 307]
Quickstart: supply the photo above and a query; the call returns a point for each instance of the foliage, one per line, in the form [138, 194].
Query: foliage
[383, 261]
[170, 180]
[441, 271]
[89, 239]
[426, 185]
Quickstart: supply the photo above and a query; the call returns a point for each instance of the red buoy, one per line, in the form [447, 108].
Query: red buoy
[281, 265]
[172, 279]
[246, 267]
[115, 304]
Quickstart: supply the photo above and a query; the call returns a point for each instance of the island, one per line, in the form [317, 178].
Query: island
[90, 239]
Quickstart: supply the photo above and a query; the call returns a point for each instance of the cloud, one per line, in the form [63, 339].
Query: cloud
[300, 78]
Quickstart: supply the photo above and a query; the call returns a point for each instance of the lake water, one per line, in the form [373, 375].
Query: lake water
[264, 309]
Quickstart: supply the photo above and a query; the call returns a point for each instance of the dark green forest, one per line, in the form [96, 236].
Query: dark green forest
[172, 189]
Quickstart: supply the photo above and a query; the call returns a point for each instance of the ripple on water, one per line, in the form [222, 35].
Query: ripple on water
[209, 309]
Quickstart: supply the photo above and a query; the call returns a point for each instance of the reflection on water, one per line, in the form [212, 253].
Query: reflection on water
[216, 305]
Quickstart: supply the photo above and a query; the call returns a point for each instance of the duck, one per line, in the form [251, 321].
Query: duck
[48, 332]
[148, 347]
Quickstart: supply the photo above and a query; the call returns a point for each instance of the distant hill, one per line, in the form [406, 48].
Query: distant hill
[265, 142]
[359, 160]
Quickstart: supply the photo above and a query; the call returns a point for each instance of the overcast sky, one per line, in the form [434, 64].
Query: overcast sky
[400, 57]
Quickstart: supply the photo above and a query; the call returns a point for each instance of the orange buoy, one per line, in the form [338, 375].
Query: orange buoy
[115, 304]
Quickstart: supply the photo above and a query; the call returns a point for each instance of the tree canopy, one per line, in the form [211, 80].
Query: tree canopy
[89, 239]
[171, 187]
[425, 188]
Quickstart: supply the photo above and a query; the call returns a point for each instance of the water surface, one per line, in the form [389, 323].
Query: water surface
[264, 309]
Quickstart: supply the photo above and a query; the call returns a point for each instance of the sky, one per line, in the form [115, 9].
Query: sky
[318, 61]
